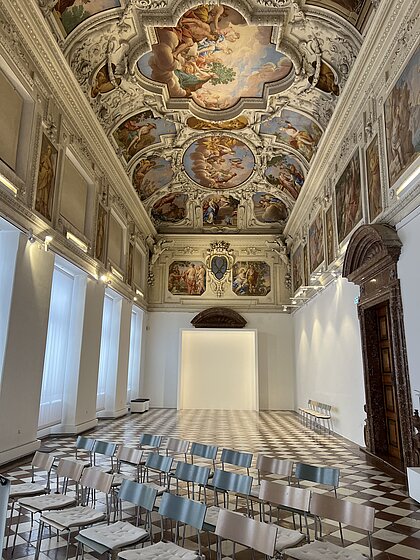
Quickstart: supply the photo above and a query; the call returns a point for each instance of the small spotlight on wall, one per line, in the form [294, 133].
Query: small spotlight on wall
[31, 236]
[139, 293]
[135, 298]
[294, 302]
[104, 278]
[284, 307]
[47, 241]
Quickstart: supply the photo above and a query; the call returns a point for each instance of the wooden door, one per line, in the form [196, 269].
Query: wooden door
[387, 378]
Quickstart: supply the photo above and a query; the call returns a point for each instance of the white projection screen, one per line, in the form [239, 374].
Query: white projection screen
[218, 369]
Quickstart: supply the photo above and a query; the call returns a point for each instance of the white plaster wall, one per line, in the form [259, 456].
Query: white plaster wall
[328, 357]
[409, 274]
[275, 358]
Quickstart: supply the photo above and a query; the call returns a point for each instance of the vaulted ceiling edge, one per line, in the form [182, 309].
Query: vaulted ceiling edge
[216, 111]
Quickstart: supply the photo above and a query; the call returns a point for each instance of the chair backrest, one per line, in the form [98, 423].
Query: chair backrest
[192, 473]
[343, 511]
[177, 445]
[85, 443]
[272, 465]
[184, 510]
[247, 531]
[43, 461]
[203, 450]
[160, 463]
[150, 440]
[329, 476]
[232, 482]
[70, 469]
[96, 479]
[285, 496]
[237, 458]
[104, 448]
[137, 494]
[130, 455]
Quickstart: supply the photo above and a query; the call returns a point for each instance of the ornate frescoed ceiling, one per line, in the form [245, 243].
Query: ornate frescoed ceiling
[215, 110]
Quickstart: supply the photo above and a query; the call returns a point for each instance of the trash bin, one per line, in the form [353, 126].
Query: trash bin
[139, 405]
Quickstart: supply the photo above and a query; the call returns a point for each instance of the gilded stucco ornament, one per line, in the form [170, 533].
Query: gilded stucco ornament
[219, 261]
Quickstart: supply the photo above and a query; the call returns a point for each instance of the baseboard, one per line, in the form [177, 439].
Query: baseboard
[68, 429]
[388, 468]
[20, 451]
[113, 413]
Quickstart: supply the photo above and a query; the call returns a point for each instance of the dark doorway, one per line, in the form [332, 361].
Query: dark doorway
[371, 262]
[382, 395]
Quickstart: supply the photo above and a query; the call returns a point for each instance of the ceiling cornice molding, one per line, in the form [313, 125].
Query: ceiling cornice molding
[49, 61]
[388, 26]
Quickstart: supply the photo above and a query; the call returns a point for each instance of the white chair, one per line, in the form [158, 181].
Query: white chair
[129, 456]
[256, 535]
[67, 469]
[93, 479]
[113, 538]
[342, 511]
[41, 462]
[176, 447]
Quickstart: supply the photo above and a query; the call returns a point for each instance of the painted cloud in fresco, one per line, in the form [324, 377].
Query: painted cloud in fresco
[214, 57]
[218, 162]
[151, 174]
[286, 173]
[296, 130]
[140, 131]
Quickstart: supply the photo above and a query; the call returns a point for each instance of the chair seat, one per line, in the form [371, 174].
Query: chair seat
[159, 551]
[47, 502]
[287, 537]
[74, 517]
[212, 514]
[320, 550]
[255, 491]
[26, 489]
[119, 477]
[160, 489]
[114, 536]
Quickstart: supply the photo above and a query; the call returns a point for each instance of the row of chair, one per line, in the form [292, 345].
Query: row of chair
[113, 537]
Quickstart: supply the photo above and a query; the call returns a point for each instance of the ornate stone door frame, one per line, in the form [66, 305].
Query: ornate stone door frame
[371, 263]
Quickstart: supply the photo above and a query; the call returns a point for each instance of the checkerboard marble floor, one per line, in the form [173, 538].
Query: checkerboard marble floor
[279, 434]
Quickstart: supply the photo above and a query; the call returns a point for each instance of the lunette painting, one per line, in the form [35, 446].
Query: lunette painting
[251, 278]
[187, 278]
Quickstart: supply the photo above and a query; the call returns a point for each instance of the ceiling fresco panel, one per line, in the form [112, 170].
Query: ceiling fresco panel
[216, 112]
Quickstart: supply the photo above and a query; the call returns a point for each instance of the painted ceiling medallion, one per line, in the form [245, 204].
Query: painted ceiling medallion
[215, 58]
[218, 162]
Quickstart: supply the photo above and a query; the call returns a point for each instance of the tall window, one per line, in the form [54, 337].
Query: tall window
[134, 357]
[105, 352]
[56, 349]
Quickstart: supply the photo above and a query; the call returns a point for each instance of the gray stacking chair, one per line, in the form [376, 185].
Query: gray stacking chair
[342, 511]
[129, 456]
[150, 442]
[326, 476]
[113, 538]
[176, 447]
[160, 465]
[192, 475]
[184, 512]
[256, 535]
[67, 470]
[41, 462]
[92, 480]
[225, 482]
[85, 445]
[105, 449]
[236, 458]
[290, 498]
[204, 451]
